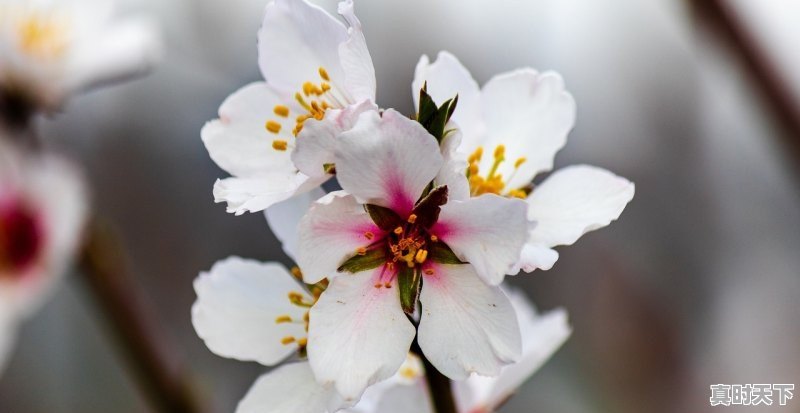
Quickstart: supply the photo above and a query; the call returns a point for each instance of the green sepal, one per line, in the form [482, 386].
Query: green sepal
[439, 252]
[409, 281]
[373, 258]
[433, 117]
[428, 208]
[383, 217]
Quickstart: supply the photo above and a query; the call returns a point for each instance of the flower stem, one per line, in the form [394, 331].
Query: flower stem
[106, 274]
[439, 386]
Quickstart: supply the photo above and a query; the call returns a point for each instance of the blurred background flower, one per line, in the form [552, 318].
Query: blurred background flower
[696, 285]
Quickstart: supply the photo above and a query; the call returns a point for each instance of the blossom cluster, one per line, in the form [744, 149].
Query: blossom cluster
[406, 261]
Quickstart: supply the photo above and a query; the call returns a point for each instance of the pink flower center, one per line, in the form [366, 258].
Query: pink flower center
[21, 238]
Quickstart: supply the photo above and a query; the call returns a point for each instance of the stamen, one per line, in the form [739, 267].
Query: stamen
[517, 193]
[387, 284]
[398, 230]
[519, 162]
[412, 218]
[302, 342]
[279, 145]
[434, 238]
[421, 256]
[287, 340]
[428, 271]
[476, 155]
[273, 126]
[297, 273]
[378, 285]
[369, 235]
[302, 101]
[361, 251]
[324, 74]
[308, 88]
[500, 151]
[283, 319]
[281, 110]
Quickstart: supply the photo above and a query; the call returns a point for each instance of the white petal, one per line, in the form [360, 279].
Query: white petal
[259, 192]
[531, 114]
[379, 397]
[488, 231]
[284, 217]
[387, 160]
[453, 171]
[574, 201]
[290, 388]
[330, 233]
[447, 77]
[295, 40]
[237, 304]
[126, 49]
[466, 325]
[535, 256]
[358, 334]
[400, 399]
[359, 73]
[239, 142]
[542, 335]
[316, 143]
[8, 335]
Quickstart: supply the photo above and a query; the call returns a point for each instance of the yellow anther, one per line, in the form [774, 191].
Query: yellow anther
[279, 145]
[517, 193]
[519, 162]
[283, 319]
[387, 284]
[324, 74]
[473, 169]
[297, 273]
[369, 235]
[408, 372]
[281, 110]
[434, 238]
[273, 126]
[325, 87]
[428, 271]
[412, 218]
[308, 88]
[302, 342]
[500, 152]
[361, 251]
[378, 285]
[398, 230]
[315, 106]
[421, 256]
[476, 155]
[287, 340]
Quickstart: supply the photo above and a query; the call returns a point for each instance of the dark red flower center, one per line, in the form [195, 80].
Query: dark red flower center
[21, 238]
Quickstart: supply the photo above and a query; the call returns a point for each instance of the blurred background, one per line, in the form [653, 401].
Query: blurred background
[697, 284]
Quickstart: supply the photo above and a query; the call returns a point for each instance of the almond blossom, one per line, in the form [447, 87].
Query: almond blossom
[254, 311]
[512, 129]
[276, 137]
[50, 49]
[42, 211]
[395, 228]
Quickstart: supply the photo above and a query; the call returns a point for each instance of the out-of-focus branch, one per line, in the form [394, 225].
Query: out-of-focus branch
[104, 267]
[720, 16]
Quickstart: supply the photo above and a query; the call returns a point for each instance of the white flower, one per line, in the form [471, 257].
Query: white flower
[359, 333]
[42, 211]
[526, 116]
[52, 48]
[276, 137]
[258, 312]
[542, 335]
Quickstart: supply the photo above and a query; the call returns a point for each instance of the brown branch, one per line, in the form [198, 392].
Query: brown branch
[105, 271]
[719, 15]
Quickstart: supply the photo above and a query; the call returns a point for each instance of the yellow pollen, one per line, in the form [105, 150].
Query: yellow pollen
[378, 285]
[476, 155]
[308, 88]
[429, 271]
[517, 193]
[299, 98]
[519, 162]
[302, 342]
[408, 372]
[273, 126]
[324, 74]
[387, 284]
[325, 87]
[434, 238]
[361, 251]
[473, 169]
[283, 319]
[412, 218]
[369, 235]
[398, 230]
[287, 340]
[421, 256]
[499, 151]
[297, 273]
[279, 145]
[281, 110]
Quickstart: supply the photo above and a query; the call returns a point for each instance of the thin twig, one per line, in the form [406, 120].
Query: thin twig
[105, 270]
[439, 387]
